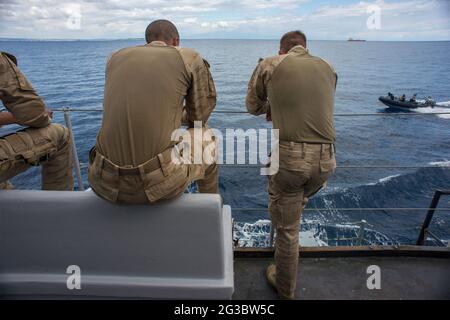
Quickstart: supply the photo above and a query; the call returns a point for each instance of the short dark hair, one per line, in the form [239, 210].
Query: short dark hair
[10, 57]
[292, 39]
[162, 30]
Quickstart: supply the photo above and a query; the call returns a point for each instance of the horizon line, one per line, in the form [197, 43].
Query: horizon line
[249, 39]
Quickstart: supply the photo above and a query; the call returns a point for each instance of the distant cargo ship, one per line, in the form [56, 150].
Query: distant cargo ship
[357, 40]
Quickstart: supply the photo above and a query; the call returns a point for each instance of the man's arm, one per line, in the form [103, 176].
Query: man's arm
[335, 76]
[256, 100]
[19, 97]
[201, 97]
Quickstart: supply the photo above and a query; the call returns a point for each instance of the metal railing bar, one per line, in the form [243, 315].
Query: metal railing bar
[338, 167]
[336, 114]
[347, 167]
[347, 209]
[393, 114]
[344, 239]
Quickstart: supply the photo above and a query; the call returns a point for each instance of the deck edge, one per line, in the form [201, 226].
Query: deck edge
[353, 251]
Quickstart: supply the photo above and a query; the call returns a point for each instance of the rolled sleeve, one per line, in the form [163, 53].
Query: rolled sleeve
[19, 96]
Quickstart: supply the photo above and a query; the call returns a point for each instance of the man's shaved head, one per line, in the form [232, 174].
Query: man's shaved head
[162, 30]
[292, 39]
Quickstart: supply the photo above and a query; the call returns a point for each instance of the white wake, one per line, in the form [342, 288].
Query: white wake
[442, 107]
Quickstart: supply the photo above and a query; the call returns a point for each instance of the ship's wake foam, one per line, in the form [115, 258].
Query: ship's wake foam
[384, 227]
[312, 234]
[442, 107]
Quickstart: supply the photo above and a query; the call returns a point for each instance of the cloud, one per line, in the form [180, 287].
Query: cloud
[400, 19]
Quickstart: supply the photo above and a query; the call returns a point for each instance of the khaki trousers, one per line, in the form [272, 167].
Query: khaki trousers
[304, 170]
[167, 182]
[48, 147]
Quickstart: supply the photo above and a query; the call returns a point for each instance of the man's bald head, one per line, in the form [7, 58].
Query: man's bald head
[292, 39]
[162, 30]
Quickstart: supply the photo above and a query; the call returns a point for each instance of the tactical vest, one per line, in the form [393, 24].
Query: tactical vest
[143, 102]
[301, 96]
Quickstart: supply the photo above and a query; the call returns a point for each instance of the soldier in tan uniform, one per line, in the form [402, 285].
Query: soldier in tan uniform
[149, 91]
[296, 91]
[41, 143]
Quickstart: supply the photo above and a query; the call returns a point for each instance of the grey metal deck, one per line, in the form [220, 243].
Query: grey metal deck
[346, 277]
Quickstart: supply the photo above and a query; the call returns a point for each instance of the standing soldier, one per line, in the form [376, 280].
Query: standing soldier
[296, 91]
[41, 143]
[143, 105]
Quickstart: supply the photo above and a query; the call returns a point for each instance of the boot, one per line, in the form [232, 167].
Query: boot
[271, 275]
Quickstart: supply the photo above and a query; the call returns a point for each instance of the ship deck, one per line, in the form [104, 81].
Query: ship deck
[341, 273]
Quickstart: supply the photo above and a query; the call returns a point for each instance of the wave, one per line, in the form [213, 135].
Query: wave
[312, 234]
[333, 226]
[445, 163]
[443, 107]
[384, 180]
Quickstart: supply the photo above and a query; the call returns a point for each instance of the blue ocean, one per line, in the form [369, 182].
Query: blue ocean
[387, 160]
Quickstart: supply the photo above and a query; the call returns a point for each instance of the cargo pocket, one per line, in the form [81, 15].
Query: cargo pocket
[290, 181]
[43, 148]
[104, 183]
[31, 146]
[327, 166]
[294, 161]
[5, 162]
[3, 155]
[177, 177]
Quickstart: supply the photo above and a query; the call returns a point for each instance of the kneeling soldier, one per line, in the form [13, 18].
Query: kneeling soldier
[296, 91]
[41, 143]
[143, 106]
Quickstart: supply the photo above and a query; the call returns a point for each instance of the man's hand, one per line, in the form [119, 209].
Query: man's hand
[49, 113]
[7, 118]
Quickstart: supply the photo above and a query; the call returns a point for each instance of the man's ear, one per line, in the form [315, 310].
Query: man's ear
[280, 52]
[176, 42]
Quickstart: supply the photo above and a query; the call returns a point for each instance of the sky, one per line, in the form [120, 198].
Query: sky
[390, 20]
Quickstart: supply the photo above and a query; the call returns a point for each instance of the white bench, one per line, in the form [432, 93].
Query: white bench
[181, 249]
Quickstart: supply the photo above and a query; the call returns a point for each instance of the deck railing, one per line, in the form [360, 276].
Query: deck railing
[363, 223]
[67, 110]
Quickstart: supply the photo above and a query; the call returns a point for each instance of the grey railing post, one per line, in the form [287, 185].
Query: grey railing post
[428, 218]
[362, 228]
[76, 161]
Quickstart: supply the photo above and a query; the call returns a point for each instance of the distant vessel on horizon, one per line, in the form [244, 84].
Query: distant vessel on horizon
[357, 40]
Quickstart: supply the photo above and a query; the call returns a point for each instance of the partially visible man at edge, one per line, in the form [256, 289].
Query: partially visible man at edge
[296, 91]
[41, 143]
[143, 104]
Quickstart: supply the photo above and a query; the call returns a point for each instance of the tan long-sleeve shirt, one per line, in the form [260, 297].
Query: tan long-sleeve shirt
[19, 97]
[298, 90]
[145, 90]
